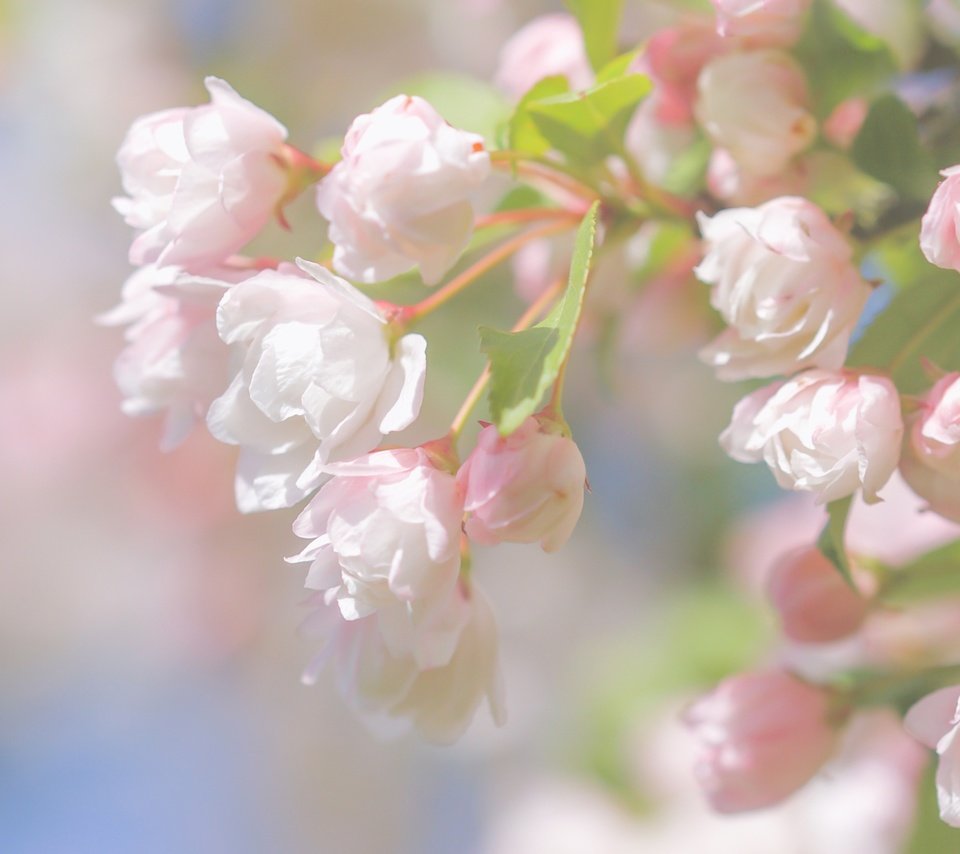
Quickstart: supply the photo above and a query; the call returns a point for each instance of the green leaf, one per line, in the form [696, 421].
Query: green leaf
[464, 101]
[523, 365]
[921, 322]
[933, 576]
[522, 132]
[668, 240]
[888, 148]
[618, 67]
[688, 170]
[831, 541]
[841, 59]
[588, 126]
[600, 22]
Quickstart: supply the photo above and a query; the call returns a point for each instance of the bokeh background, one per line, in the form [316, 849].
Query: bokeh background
[149, 658]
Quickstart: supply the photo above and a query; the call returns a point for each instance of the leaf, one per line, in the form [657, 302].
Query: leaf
[523, 365]
[618, 67]
[921, 322]
[588, 126]
[600, 22]
[464, 101]
[669, 239]
[688, 170]
[522, 132]
[831, 542]
[888, 148]
[841, 59]
[933, 576]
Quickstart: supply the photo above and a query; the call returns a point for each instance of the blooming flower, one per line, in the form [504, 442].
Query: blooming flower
[821, 432]
[399, 198]
[765, 131]
[174, 361]
[762, 736]
[320, 381]
[391, 688]
[200, 182]
[385, 534]
[940, 227]
[934, 721]
[931, 459]
[815, 604]
[761, 23]
[524, 487]
[784, 280]
[546, 46]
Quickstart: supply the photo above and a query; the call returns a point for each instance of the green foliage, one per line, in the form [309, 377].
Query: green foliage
[588, 126]
[933, 576]
[841, 59]
[931, 835]
[462, 100]
[831, 541]
[687, 172]
[920, 323]
[600, 22]
[522, 132]
[525, 364]
[888, 148]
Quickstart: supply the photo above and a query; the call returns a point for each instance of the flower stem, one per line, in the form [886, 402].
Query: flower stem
[411, 314]
[536, 308]
[525, 215]
[549, 172]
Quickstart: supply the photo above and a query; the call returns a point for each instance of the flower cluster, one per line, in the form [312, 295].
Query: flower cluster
[307, 375]
[711, 157]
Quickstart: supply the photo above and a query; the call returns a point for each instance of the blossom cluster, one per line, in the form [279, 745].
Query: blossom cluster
[306, 375]
[299, 367]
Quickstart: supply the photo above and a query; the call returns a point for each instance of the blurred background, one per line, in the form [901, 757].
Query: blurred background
[148, 651]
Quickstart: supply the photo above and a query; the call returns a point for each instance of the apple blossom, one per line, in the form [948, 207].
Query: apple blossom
[523, 488]
[931, 457]
[546, 46]
[761, 23]
[934, 721]
[762, 736]
[391, 689]
[385, 534]
[320, 380]
[843, 124]
[201, 182]
[673, 58]
[940, 227]
[400, 197]
[765, 131]
[784, 280]
[815, 604]
[174, 360]
[822, 432]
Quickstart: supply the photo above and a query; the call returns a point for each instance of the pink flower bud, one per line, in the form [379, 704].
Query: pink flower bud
[935, 722]
[940, 228]
[765, 131]
[762, 736]
[844, 123]
[674, 58]
[524, 487]
[815, 604]
[548, 45]
[931, 460]
[821, 432]
[399, 198]
[784, 280]
[761, 23]
[201, 182]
